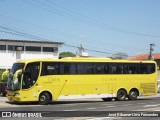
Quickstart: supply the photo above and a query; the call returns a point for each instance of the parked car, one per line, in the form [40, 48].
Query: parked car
[158, 86]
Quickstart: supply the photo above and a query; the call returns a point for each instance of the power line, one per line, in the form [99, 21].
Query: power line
[78, 17]
[11, 31]
[31, 26]
[14, 32]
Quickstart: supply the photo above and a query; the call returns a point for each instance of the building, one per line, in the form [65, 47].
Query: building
[14, 50]
[156, 57]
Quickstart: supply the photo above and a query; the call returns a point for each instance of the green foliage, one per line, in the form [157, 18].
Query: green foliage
[1, 71]
[66, 54]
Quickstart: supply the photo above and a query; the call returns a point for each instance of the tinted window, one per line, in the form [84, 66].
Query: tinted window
[2, 47]
[50, 68]
[33, 48]
[30, 75]
[17, 66]
[130, 68]
[69, 68]
[53, 68]
[11, 47]
[50, 49]
[116, 68]
[15, 48]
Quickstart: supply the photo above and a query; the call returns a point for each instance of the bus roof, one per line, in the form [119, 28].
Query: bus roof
[81, 59]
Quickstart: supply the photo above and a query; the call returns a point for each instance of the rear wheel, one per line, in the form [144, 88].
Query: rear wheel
[44, 98]
[133, 95]
[107, 99]
[121, 95]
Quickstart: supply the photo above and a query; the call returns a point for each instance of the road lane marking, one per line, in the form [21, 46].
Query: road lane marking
[110, 106]
[147, 109]
[126, 105]
[90, 108]
[141, 103]
[71, 110]
[151, 105]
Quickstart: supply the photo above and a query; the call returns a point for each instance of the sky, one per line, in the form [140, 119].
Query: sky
[102, 27]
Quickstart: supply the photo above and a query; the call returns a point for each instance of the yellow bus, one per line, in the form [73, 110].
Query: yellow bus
[46, 80]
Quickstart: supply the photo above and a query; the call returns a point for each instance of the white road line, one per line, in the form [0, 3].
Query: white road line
[110, 106]
[90, 108]
[71, 110]
[151, 105]
[107, 104]
[141, 103]
[126, 105]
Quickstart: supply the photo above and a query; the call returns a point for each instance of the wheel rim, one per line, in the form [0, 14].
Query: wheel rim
[122, 95]
[133, 94]
[42, 98]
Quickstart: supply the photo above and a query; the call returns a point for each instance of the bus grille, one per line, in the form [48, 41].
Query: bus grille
[148, 87]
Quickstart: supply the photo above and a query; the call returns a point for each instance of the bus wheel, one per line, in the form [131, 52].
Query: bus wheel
[107, 99]
[121, 95]
[132, 95]
[44, 98]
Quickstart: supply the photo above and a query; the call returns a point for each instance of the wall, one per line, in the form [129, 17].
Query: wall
[7, 58]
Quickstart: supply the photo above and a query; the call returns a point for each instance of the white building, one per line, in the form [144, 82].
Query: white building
[14, 50]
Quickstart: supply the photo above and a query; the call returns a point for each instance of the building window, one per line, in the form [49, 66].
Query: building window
[2, 47]
[15, 48]
[48, 49]
[33, 48]
[11, 47]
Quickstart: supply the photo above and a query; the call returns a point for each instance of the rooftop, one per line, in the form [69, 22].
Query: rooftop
[145, 56]
[32, 41]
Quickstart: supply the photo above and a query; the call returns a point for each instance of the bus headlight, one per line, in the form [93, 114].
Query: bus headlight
[16, 94]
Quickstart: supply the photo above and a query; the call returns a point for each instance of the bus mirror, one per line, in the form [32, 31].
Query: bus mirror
[17, 73]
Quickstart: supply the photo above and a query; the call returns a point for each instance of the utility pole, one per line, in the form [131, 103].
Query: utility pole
[81, 52]
[150, 57]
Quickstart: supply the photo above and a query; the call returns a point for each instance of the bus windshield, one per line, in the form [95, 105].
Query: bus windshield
[14, 77]
[17, 66]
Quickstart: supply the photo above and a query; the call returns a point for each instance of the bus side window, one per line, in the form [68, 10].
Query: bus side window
[100, 69]
[50, 68]
[143, 68]
[69, 68]
[150, 68]
[106, 69]
[66, 68]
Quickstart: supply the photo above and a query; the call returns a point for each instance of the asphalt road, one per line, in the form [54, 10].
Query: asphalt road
[87, 108]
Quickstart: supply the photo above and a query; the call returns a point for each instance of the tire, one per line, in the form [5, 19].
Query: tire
[107, 99]
[133, 95]
[121, 95]
[44, 98]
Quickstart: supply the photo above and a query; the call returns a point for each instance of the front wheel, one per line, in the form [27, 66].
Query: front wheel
[132, 95]
[44, 98]
[121, 95]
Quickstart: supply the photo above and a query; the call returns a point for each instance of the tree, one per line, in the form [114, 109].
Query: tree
[120, 55]
[66, 54]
